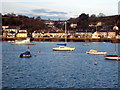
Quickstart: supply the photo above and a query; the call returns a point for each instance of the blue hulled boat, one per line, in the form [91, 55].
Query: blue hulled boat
[26, 54]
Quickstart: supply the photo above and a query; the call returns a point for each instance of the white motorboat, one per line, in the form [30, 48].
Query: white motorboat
[95, 52]
[63, 48]
[23, 42]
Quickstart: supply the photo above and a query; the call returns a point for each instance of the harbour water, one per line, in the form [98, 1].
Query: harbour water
[58, 69]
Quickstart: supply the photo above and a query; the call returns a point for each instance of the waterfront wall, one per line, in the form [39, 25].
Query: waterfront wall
[47, 39]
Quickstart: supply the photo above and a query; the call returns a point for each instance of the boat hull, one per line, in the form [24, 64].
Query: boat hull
[25, 54]
[67, 49]
[23, 43]
[97, 53]
[117, 58]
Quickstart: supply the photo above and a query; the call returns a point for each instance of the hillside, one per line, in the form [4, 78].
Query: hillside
[83, 22]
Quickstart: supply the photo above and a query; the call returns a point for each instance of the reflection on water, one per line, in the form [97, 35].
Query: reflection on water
[58, 69]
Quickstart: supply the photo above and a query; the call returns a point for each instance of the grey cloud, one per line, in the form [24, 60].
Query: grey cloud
[46, 17]
[47, 12]
[39, 10]
[54, 12]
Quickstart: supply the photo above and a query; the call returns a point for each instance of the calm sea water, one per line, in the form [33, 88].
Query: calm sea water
[58, 69]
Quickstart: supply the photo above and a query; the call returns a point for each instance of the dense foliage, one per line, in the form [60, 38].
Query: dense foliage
[23, 22]
[83, 21]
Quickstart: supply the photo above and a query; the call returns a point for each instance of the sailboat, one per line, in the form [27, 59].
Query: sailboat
[113, 56]
[63, 47]
[96, 52]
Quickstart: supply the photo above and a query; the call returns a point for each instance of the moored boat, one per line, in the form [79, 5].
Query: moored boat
[96, 36]
[95, 52]
[63, 48]
[112, 57]
[26, 54]
[31, 43]
[23, 42]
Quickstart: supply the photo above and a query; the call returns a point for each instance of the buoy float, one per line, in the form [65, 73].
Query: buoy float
[35, 55]
[95, 63]
[28, 47]
[39, 51]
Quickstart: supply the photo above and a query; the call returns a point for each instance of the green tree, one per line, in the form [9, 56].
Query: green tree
[83, 16]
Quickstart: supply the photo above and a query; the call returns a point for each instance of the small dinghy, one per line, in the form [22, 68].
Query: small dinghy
[26, 54]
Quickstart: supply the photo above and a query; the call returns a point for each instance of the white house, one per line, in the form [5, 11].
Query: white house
[96, 35]
[36, 34]
[4, 27]
[11, 29]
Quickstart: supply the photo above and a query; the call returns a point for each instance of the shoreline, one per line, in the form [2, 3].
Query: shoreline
[46, 39]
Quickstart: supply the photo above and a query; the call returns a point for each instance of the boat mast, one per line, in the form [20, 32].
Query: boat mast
[65, 32]
[115, 28]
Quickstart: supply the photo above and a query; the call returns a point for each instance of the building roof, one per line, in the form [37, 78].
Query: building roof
[22, 32]
[11, 28]
[85, 31]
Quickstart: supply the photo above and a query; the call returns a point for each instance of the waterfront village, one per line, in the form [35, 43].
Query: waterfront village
[94, 33]
[16, 33]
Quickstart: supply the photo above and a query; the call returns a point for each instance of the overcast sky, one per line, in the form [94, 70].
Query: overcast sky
[59, 9]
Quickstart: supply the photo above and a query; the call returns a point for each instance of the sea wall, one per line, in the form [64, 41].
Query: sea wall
[47, 39]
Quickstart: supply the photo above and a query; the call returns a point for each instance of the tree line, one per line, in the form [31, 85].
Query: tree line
[24, 22]
[82, 21]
